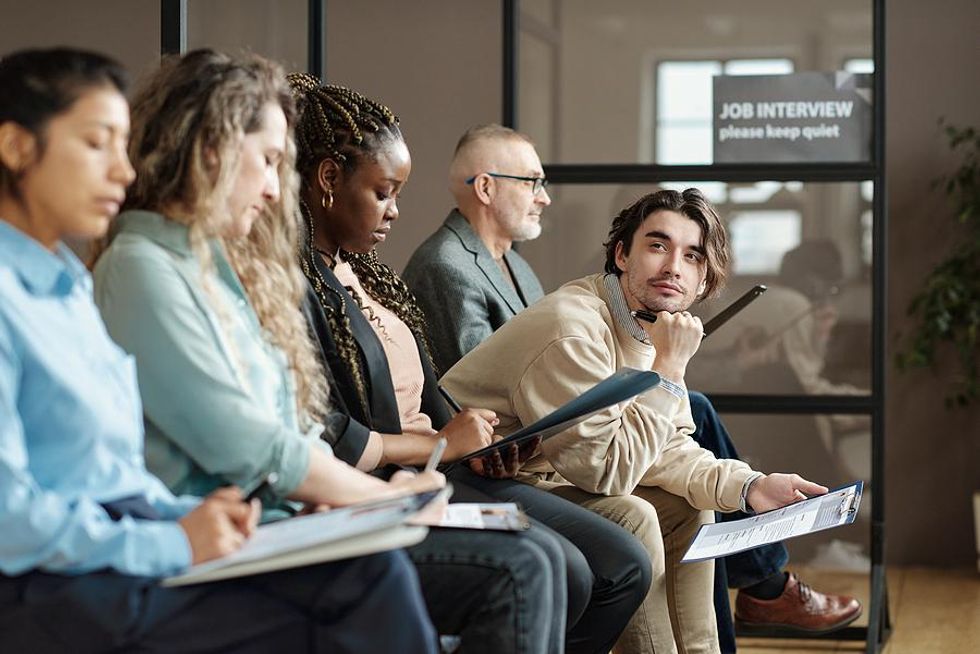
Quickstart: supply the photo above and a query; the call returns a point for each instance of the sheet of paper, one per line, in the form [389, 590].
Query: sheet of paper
[836, 508]
[504, 516]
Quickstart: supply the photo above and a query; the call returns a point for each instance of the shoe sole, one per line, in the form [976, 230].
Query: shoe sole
[780, 629]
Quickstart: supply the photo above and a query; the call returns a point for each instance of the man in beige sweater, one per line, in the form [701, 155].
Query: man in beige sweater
[635, 462]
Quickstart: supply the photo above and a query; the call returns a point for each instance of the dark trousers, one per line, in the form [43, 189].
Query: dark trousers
[745, 568]
[498, 591]
[368, 604]
[608, 571]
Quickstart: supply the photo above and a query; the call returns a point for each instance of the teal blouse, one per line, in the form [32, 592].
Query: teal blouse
[219, 400]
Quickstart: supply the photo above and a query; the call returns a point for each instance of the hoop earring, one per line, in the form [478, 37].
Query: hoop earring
[326, 200]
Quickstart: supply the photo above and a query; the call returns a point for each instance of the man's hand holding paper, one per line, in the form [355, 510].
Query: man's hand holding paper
[776, 490]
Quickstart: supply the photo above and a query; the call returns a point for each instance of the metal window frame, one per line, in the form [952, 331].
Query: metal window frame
[173, 27]
[173, 32]
[879, 627]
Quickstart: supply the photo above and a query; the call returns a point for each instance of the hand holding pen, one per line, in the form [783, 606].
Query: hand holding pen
[499, 464]
[469, 430]
[436, 455]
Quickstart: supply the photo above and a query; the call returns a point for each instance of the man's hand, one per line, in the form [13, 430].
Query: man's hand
[220, 525]
[469, 430]
[754, 347]
[504, 464]
[676, 337]
[777, 490]
[825, 317]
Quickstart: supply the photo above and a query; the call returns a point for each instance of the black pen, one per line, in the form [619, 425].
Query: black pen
[262, 486]
[449, 399]
[644, 315]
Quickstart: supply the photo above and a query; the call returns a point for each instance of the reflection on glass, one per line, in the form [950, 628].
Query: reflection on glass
[809, 242]
[808, 334]
[684, 90]
[684, 120]
[539, 10]
[632, 86]
[272, 28]
[536, 100]
[759, 237]
[859, 65]
[813, 447]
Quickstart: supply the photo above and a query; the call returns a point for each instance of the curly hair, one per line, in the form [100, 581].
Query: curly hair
[342, 125]
[690, 203]
[188, 121]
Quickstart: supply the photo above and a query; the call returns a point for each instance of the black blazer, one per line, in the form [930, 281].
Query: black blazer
[349, 435]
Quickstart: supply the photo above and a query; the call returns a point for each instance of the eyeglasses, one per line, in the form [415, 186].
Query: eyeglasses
[538, 184]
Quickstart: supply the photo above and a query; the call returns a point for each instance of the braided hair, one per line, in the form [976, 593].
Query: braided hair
[342, 125]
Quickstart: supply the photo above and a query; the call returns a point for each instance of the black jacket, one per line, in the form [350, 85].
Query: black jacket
[350, 427]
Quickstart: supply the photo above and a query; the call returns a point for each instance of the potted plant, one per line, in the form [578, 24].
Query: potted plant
[947, 309]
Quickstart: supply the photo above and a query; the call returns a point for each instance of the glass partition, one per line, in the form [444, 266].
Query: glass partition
[634, 78]
[809, 334]
[272, 28]
[821, 451]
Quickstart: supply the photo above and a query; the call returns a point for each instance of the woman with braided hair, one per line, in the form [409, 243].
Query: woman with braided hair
[354, 162]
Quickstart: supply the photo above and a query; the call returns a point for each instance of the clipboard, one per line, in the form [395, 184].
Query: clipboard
[836, 508]
[622, 385]
[729, 312]
[355, 530]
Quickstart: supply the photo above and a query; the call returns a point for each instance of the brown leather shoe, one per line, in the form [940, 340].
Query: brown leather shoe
[798, 609]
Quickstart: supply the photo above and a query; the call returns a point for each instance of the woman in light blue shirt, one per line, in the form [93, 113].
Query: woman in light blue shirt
[87, 531]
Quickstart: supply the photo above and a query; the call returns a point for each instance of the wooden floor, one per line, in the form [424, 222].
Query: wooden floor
[932, 612]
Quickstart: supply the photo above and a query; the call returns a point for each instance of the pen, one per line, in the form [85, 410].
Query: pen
[449, 399]
[436, 455]
[646, 316]
[262, 486]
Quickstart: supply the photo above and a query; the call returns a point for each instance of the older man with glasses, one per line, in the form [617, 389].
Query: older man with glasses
[467, 278]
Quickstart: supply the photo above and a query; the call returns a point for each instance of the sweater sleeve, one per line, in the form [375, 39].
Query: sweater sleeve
[643, 441]
[688, 470]
[611, 451]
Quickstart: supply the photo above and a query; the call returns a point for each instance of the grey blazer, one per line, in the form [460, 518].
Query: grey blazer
[463, 292]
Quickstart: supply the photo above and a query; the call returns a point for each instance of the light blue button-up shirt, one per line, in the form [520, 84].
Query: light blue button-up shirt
[71, 429]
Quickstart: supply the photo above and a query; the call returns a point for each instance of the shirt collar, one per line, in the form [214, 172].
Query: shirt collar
[43, 272]
[174, 236]
[156, 227]
[621, 310]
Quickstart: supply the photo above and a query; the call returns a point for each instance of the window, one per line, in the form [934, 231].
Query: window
[760, 237]
[683, 112]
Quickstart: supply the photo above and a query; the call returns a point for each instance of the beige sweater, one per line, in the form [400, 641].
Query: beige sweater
[556, 350]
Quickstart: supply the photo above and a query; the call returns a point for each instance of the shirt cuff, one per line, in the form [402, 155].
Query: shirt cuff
[164, 543]
[675, 389]
[346, 436]
[293, 465]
